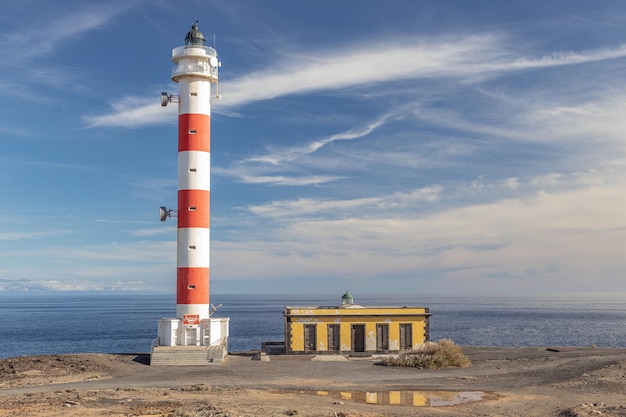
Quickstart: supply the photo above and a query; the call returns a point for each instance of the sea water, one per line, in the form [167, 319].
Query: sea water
[32, 324]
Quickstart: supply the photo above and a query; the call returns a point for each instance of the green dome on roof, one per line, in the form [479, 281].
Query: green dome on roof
[347, 298]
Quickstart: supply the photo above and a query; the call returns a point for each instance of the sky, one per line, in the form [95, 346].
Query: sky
[378, 147]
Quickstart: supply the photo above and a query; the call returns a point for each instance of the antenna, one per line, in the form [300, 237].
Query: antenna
[213, 309]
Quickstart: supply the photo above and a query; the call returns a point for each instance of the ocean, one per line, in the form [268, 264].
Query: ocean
[34, 323]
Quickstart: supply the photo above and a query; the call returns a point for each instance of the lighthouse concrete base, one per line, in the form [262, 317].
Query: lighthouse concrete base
[207, 332]
[204, 343]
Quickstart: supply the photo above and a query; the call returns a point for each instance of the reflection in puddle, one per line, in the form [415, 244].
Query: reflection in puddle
[414, 398]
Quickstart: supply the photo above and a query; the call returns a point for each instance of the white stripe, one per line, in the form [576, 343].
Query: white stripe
[194, 96]
[193, 246]
[200, 309]
[194, 170]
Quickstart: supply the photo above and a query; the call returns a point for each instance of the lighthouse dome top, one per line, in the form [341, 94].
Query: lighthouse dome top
[194, 59]
[194, 36]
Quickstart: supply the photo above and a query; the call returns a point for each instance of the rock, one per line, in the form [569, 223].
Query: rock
[197, 387]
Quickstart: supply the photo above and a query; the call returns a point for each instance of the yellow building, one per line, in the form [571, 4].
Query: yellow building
[350, 328]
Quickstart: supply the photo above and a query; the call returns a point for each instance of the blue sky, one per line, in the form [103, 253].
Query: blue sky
[400, 146]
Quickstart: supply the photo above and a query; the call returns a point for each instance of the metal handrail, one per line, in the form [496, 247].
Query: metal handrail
[181, 50]
[155, 342]
[195, 67]
[220, 341]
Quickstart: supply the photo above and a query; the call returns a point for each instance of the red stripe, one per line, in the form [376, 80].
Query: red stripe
[190, 141]
[194, 208]
[192, 286]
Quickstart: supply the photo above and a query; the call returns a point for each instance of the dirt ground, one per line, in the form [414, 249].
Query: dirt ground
[564, 382]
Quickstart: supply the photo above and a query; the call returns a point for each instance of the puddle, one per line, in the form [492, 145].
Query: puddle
[411, 398]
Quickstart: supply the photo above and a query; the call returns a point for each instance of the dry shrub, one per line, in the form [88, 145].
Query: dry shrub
[432, 355]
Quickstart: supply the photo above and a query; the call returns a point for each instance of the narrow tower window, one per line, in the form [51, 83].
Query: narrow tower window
[192, 131]
[191, 287]
[193, 247]
[193, 170]
[192, 208]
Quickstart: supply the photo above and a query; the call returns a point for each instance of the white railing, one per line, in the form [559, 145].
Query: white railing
[195, 68]
[181, 50]
[222, 344]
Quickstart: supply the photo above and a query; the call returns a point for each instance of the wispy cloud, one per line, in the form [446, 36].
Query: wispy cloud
[37, 39]
[463, 58]
[100, 264]
[87, 285]
[255, 169]
[152, 231]
[72, 285]
[363, 65]
[133, 251]
[134, 112]
[305, 207]
[285, 180]
[536, 119]
[52, 165]
[423, 202]
[34, 41]
[565, 235]
[566, 58]
[154, 189]
[275, 157]
[30, 235]
[599, 119]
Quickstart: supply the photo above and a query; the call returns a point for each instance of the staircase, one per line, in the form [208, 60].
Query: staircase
[187, 355]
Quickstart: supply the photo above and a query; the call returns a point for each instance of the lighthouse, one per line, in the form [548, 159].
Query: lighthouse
[195, 71]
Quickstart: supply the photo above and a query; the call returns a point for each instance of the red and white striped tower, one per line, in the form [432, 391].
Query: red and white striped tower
[195, 70]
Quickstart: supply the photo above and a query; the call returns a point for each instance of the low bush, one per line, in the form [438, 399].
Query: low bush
[432, 355]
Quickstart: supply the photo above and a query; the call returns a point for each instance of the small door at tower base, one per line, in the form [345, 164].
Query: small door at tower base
[188, 333]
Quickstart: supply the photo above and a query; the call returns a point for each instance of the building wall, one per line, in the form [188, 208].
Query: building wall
[296, 319]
